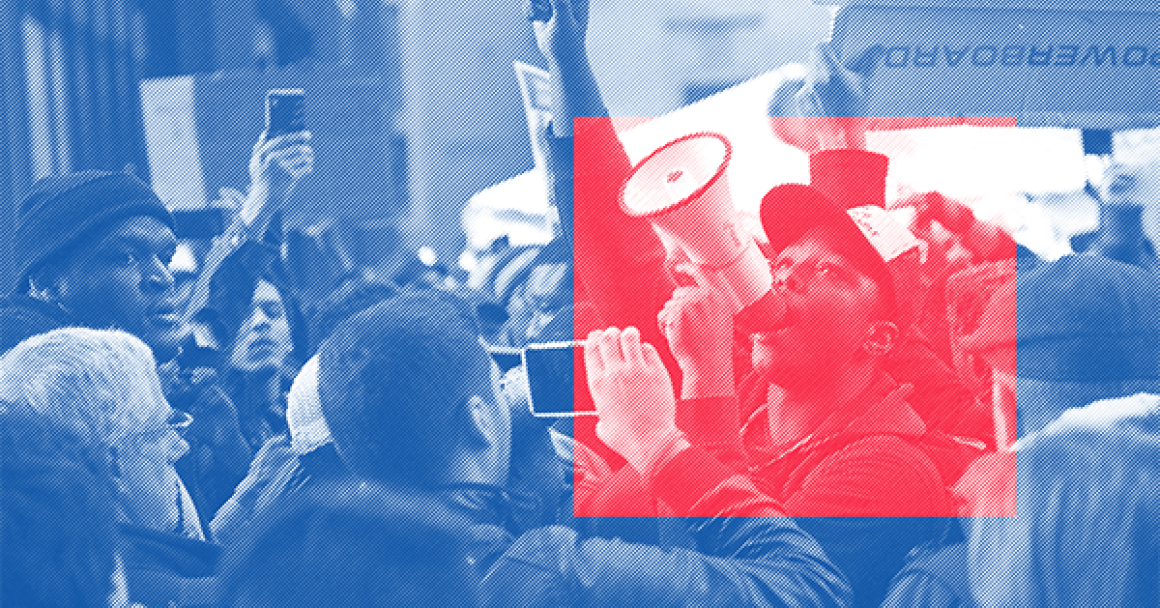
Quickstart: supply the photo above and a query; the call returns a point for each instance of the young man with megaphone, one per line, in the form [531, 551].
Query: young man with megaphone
[828, 431]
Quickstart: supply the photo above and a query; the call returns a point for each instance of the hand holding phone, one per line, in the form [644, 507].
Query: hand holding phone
[285, 112]
[633, 394]
[281, 158]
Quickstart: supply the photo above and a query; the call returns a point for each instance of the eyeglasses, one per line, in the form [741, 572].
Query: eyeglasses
[178, 422]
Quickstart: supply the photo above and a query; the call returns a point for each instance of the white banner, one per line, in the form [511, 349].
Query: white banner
[1077, 68]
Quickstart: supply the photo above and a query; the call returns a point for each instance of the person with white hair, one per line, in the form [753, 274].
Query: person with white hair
[103, 385]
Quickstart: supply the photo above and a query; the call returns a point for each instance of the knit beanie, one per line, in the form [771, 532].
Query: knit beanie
[62, 210]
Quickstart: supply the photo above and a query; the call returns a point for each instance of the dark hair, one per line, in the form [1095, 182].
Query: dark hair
[353, 296]
[57, 514]
[353, 544]
[394, 382]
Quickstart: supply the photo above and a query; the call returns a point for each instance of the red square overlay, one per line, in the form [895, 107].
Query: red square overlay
[864, 487]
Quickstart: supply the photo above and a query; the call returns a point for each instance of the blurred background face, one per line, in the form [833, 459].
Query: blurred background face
[149, 485]
[546, 294]
[263, 342]
[1126, 185]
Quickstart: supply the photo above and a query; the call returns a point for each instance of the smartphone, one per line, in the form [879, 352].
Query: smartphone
[285, 112]
[557, 380]
[539, 10]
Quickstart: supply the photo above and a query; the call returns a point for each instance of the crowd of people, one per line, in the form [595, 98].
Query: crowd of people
[848, 440]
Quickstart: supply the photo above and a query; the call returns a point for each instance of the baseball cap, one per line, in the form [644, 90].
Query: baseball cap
[870, 237]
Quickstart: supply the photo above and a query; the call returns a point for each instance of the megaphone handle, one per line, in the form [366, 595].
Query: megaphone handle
[709, 279]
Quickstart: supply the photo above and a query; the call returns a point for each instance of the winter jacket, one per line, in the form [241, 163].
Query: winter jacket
[164, 569]
[747, 554]
[859, 485]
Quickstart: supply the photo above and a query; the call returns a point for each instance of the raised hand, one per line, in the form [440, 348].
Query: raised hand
[561, 36]
[276, 166]
[835, 92]
[824, 110]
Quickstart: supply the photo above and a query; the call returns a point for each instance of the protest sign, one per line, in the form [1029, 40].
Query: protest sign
[1047, 63]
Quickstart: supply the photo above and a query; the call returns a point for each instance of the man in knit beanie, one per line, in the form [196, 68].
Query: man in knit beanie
[92, 249]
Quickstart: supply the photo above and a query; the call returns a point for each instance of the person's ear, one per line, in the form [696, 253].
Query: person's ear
[881, 338]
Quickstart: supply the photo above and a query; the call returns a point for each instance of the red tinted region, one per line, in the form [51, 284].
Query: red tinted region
[880, 455]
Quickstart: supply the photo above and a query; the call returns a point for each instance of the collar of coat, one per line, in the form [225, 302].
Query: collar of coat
[881, 409]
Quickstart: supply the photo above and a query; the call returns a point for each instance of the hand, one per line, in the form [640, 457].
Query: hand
[215, 418]
[834, 92]
[633, 395]
[969, 239]
[946, 253]
[932, 206]
[276, 166]
[561, 38]
[698, 324]
[526, 428]
[229, 198]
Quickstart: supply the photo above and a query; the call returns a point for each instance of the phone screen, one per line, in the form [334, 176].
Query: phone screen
[285, 112]
[557, 380]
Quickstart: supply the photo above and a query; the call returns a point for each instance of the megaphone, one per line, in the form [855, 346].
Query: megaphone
[682, 190]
